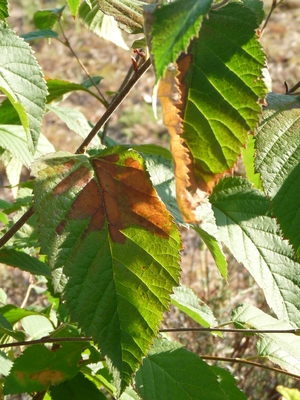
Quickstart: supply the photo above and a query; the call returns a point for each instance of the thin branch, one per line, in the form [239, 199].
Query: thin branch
[10, 233]
[30, 286]
[67, 43]
[293, 89]
[228, 330]
[273, 8]
[46, 339]
[252, 363]
[114, 105]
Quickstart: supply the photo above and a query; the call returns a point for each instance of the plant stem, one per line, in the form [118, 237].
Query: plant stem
[114, 105]
[219, 5]
[273, 8]
[252, 363]
[228, 330]
[10, 233]
[108, 113]
[67, 43]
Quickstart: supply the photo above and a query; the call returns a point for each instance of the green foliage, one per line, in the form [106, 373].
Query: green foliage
[102, 239]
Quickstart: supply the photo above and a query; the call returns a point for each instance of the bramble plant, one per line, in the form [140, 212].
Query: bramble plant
[101, 227]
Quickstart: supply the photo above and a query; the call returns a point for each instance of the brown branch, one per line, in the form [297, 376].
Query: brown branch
[252, 363]
[10, 233]
[228, 330]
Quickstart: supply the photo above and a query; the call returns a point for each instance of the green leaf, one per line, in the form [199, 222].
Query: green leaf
[129, 394]
[23, 261]
[22, 81]
[74, 5]
[103, 25]
[289, 394]
[258, 7]
[186, 300]
[208, 231]
[14, 314]
[13, 168]
[37, 326]
[40, 34]
[247, 228]
[228, 383]
[38, 367]
[175, 25]
[172, 372]
[3, 296]
[283, 348]
[105, 207]
[46, 19]
[58, 88]
[8, 114]
[248, 160]
[128, 13]
[74, 120]
[77, 388]
[5, 364]
[7, 329]
[278, 153]
[13, 138]
[4, 9]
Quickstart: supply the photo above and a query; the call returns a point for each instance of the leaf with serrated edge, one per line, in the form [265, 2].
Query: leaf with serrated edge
[74, 5]
[103, 25]
[186, 300]
[283, 347]
[23, 261]
[277, 160]
[175, 25]
[118, 245]
[13, 168]
[22, 81]
[3, 9]
[172, 372]
[246, 226]
[211, 102]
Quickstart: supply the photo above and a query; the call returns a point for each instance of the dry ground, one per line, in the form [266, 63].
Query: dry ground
[134, 123]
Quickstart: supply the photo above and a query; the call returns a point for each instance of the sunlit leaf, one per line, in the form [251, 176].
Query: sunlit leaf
[210, 102]
[278, 154]
[74, 6]
[46, 19]
[246, 227]
[58, 88]
[22, 81]
[128, 13]
[101, 220]
[288, 393]
[3, 9]
[186, 300]
[37, 326]
[171, 371]
[282, 348]
[175, 25]
[103, 25]
[13, 168]
[5, 364]
[248, 160]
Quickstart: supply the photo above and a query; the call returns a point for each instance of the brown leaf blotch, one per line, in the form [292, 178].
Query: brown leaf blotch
[78, 178]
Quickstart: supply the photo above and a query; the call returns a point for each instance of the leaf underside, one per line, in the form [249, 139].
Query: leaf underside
[210, 101]
[278, 155]
[118, 245]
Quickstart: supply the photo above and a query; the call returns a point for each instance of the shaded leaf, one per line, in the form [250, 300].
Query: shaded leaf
[74, 5]
[78, 387]
[103, 25]
[58, 88]
[128, 13]
[277, 160]
[4, 9]
[74, 120]
[228, 384]
[38, 367]
[7, 329]
[210, 102]
[258, 7]
[118, 246]
[175, 25]
[24, 261]
[22, 81]
[13, 138]
[14, 314]
[46, 19]
[247, 228]
[186, 300]
[40, 34]
[171, 371]
[283, 348]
